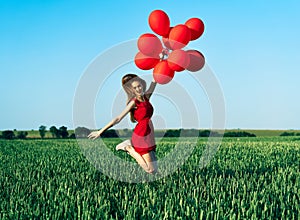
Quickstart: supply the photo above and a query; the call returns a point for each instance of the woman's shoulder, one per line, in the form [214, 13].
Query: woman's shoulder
[131, 102]
[134, 99]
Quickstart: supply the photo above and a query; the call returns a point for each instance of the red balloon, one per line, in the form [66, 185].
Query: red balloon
[196, 26]
[197, 60]
[145, 62]
[178, 60]
[149, 44]
[179, 36]
[159, 22]
[162, 73]
[166, 41]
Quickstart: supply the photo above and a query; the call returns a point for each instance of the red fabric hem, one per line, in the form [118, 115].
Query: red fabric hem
[142, 151]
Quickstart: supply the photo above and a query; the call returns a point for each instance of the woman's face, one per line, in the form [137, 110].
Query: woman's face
[137, 88]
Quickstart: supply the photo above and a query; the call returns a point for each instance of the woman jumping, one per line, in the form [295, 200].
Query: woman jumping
[142, 144]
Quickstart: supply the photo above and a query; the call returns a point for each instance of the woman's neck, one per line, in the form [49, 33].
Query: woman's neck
[140, 98]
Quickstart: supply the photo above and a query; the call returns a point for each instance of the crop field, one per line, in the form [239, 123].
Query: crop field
[248, 178]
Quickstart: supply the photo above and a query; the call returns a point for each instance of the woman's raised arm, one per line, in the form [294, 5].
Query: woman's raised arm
[152, 86]
[95, 134]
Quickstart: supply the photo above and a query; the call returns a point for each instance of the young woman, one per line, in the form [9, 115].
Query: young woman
[142, 144]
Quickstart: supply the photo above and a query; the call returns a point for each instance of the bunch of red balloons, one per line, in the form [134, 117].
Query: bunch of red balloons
[167, 56]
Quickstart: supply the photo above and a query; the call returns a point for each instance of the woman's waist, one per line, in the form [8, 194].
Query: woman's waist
[143, 120]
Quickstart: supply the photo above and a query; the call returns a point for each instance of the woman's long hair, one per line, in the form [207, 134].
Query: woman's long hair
[126, 83]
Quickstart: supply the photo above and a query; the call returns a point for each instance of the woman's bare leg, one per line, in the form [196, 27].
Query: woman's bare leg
[151, 161]
[147, 161]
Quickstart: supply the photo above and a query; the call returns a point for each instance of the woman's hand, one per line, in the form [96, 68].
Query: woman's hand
[94, 135]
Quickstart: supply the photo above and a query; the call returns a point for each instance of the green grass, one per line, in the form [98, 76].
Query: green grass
[249, 178]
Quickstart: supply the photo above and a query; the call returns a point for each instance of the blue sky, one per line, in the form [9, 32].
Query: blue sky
[251, 46]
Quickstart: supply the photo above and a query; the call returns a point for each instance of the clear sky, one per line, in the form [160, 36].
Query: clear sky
[251, 46]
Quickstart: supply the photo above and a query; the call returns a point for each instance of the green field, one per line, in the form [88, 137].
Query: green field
[249, 178]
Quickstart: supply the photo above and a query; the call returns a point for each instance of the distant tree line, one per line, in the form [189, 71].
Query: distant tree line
[289, 134]
[82, 132]
[238, 134]
[9, 134]
[61, 132]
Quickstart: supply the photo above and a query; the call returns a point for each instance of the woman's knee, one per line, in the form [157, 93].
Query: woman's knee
[152, 170]
[129, 148]
[123, 145]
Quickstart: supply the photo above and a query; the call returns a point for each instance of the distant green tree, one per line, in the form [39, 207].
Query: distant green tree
[42, 131]
[124, 133]
[238, 134]
[54, 131]
[127, 132]
[22, 134]
[204, 133]
[63, 132]
[287, 134]
[8, 134]
[172, 133]
[82, 132]
[190, 132]
[110, 133]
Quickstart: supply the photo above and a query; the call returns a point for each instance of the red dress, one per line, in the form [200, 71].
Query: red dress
[143, 134]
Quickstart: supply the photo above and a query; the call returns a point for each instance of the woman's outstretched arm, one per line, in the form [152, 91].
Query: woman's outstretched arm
[152, 86]
[95, 134]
